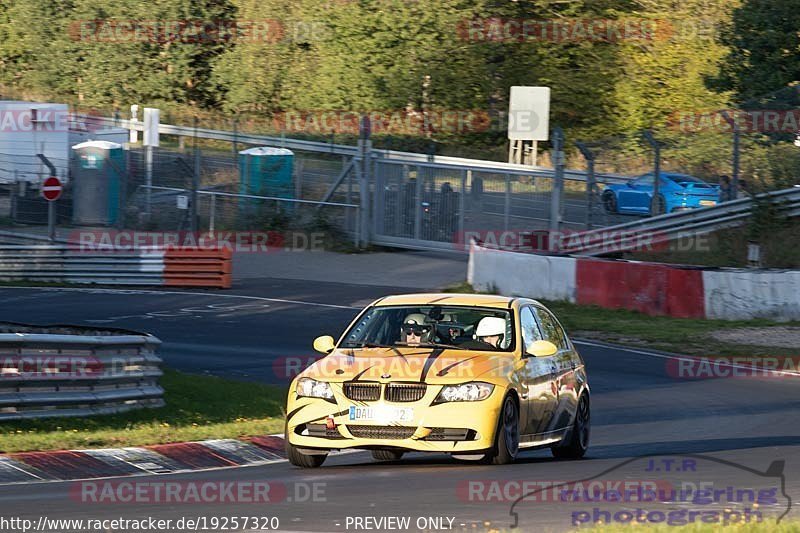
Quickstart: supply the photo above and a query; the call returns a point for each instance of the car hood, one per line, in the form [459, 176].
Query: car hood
[431, 365]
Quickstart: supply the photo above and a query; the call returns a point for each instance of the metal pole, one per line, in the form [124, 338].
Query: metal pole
[235, 144]
[462, 205]
[148, 178]
[591, 183]
[655, 204]
[558, 186]
[365, 148]
[507, 206]
[212, 214]
[418, 206]
[195, 186]
[51, 220]
[734, 190]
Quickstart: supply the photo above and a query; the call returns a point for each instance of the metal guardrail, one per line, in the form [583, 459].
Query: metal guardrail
[67, 264]
[54, 371]
[14, 237]
[669, 227]
[136, 266]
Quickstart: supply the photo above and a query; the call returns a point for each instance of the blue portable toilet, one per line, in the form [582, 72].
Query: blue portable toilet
[96, 169]
[266, 171]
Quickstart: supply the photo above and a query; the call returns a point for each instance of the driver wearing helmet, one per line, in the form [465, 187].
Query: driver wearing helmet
[489, 335]
[416, 330]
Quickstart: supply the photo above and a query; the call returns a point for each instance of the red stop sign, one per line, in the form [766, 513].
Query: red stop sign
[52, 188]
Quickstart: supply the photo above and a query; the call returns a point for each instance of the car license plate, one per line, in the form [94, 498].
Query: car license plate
[708, 202]
[381, 413]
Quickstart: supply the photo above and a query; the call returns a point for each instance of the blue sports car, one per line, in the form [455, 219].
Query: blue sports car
[676, 192]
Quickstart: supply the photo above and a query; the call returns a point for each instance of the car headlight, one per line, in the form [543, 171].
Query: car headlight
[314, 389]
[466, 392]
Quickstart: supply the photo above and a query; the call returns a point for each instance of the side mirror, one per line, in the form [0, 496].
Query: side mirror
[631, 185]
[541, 349]
[324, 344]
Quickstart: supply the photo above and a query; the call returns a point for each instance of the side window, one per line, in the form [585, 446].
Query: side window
[530, 330]
[552, 330]
[646, 180]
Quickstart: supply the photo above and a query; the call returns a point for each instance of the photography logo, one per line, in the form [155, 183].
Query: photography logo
[686, 489]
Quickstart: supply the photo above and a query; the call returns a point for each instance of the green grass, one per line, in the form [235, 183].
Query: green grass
[680, 335]
[197, 407]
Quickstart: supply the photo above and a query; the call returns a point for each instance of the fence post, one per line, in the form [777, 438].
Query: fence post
[462, 206]
[212, 212]
[591, 184]
[235, 144]
[558, 188]
[365, 149]
[507, 203]
[734, 188]
[195, 185]
[655, 203]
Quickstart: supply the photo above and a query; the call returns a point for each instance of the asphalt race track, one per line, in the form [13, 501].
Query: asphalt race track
[731, 432]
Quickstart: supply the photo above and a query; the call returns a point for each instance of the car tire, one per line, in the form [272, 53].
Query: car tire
[506, 438]
[387, 455]
[300, 459]
[303, 460]
[610, 202]
[579, 439]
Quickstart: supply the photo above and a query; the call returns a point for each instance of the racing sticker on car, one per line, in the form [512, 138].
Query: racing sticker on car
[381, 413]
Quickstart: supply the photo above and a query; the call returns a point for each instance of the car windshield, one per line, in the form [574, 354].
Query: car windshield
[452, 327]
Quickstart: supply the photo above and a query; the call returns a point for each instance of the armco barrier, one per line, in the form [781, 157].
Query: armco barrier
[65, 264]
[652, 288]
[48, 371]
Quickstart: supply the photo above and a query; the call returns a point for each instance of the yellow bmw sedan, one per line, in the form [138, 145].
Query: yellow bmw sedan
[480, 377]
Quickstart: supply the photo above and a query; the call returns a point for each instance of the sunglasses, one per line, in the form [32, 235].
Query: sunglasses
[416, 330]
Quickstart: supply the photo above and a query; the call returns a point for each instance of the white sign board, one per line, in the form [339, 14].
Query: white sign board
[529, 114]
[150, 137]
[183, 201]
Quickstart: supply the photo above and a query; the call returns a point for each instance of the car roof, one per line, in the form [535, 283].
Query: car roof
[477, 300]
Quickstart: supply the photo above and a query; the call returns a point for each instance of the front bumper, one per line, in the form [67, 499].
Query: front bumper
[453, 427]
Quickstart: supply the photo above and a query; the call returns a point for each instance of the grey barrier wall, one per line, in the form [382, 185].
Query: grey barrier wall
[54, 371]
[70, 264]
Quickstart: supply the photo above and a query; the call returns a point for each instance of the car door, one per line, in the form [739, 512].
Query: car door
[566, 361]
[537, 383]
[635, 197]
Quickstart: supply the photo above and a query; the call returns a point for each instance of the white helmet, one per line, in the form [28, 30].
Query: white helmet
[416, 318]
[489, 326]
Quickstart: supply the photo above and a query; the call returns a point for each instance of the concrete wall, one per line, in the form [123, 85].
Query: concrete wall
[652, 288]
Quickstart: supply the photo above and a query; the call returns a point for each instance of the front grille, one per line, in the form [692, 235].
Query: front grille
[451, 434]
[362, 392]
[405, 392]
[381, 432]
[321, 430]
